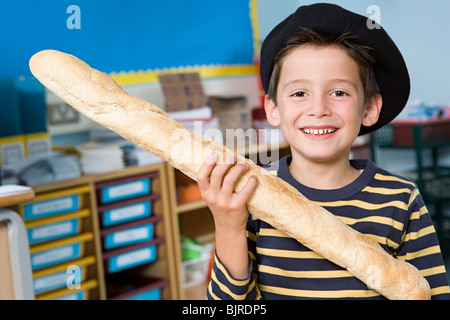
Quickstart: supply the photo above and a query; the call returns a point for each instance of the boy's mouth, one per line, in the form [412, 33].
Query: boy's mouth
[318, 132]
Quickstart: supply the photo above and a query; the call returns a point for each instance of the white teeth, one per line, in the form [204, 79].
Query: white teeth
[319, 131]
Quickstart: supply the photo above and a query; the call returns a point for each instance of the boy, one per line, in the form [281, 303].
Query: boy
[328, 78]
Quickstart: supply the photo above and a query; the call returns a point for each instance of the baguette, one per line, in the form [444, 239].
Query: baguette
[101, 99]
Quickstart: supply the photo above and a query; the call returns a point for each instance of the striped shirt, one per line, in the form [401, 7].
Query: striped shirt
[383, 206]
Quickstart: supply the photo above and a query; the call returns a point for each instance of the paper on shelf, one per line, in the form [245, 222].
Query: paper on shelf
[11, 190]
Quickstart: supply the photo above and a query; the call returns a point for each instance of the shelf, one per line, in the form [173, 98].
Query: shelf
[21, 195]
[197, 292]
[190, 206]
[250, 150]
[86, 179]
[167, 261]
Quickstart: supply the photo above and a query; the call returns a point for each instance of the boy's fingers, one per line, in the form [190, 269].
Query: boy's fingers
[232, 176]
[248, 189]
[205, 171]
[218, 173]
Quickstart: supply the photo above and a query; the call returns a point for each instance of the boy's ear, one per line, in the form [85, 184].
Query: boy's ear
[272, 113]
[372, 112]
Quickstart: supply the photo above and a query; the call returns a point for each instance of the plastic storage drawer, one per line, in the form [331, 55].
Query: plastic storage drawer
[59, 251]
[48, 229]
[127, 210]
[67, 275]
[54, 203]
[121, 189]
[133, 287]
[131, 256]
[83, 293]
[128, 234]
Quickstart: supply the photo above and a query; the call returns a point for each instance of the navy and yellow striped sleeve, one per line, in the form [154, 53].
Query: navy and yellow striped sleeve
[420, 247]
[224, 287]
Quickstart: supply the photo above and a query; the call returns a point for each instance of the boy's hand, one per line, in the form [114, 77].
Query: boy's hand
[216, 182]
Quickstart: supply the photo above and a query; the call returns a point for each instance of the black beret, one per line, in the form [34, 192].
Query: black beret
[390, 69]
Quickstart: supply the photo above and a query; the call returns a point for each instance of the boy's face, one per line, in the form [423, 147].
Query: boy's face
[320, 103]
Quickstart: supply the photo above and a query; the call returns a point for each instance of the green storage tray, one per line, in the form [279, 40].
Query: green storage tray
[435, 183]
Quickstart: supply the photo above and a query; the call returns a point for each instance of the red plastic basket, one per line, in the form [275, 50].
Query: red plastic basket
[430, 132]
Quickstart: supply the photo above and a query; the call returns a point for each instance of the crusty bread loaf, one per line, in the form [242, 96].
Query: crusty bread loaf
[99, 97]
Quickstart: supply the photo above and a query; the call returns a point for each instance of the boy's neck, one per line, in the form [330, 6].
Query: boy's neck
[325, 176]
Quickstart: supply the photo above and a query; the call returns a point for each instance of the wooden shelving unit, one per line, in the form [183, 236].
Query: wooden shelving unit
[165, 266]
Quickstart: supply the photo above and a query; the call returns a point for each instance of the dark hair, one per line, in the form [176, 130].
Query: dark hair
[360, 54]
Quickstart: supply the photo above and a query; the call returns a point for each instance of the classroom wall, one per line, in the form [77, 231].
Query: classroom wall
[117, 36]
[135, 41]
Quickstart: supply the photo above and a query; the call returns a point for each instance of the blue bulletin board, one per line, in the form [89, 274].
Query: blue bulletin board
[133, 40]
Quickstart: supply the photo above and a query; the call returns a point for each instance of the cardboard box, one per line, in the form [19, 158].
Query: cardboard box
[183, 91]
[233, 113]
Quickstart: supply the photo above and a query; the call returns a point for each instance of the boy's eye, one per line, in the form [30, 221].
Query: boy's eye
[339, 93]
[299, 94]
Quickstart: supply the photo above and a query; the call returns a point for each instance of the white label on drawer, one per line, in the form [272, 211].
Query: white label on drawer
[126, 189]
[129, 235]
[51, 281]
[54, 205]
[127, 212]
[52, 230]
[53, 255]
[133, 257]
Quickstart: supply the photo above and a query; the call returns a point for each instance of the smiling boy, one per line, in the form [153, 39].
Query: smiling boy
[320, 110]
[328, 79]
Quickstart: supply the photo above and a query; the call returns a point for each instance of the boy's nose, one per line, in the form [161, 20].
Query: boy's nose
[318, 107]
